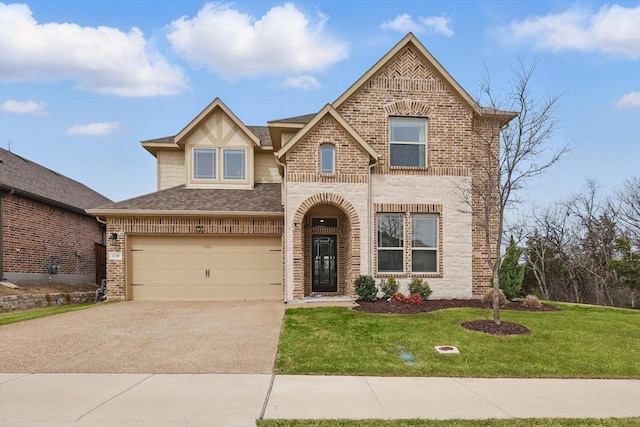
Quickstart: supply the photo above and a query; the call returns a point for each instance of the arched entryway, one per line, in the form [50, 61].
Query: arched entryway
[326, 247]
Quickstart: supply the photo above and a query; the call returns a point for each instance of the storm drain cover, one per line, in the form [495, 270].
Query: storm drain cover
[447, 349]
[406, 357]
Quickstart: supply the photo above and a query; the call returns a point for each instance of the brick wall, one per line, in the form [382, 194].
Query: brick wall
[406, 86]
[34, 232]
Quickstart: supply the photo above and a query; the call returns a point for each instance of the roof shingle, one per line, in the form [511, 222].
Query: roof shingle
[33, 180]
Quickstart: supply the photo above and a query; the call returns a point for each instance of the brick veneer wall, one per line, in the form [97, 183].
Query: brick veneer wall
[406, 86]
[125, 226]
[35, 231]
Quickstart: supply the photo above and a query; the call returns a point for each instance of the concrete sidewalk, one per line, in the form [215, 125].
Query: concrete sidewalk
[239, 399]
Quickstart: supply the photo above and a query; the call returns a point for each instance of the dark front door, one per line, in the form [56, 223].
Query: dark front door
[324, 264]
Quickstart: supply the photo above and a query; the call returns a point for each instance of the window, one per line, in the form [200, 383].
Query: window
[326, 159]
[234, 164]
[424, 243]
[390, 243]
[204, 163]
[407, 141]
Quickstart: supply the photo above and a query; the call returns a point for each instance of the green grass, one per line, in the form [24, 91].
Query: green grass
[20, 316]
[577, 342]
[513, 422]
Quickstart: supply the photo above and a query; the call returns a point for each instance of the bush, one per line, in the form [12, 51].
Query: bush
[389, 287]
[366, 288]
[420, 287]
[415, 299]
[511, 273]
[487, 298]
[398, 298]
[532, 301]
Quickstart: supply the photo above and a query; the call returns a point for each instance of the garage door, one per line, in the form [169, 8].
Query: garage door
[205, 268]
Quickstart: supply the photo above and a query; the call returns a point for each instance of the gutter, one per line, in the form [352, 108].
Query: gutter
[181, 212]
[11, 190]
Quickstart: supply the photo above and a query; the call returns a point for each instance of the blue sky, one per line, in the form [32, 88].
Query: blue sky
[82, 82]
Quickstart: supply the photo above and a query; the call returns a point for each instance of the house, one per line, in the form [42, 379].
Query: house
[45, 233]
[369, 185]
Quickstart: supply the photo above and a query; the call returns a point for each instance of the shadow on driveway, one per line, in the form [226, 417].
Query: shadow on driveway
[148, 337]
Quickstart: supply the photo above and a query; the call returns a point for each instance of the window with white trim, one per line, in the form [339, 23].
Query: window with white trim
[407, 141]
[327, 159]
[391, 243]
[234, 164]
[204, 163]
[424, 243]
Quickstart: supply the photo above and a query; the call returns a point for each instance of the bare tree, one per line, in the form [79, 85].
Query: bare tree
[514, 152]
[628, 208]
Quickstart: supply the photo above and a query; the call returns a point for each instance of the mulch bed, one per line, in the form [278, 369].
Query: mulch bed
[486, 326]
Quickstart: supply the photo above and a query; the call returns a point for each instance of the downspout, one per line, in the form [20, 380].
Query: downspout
[369, 219]
[284, 195]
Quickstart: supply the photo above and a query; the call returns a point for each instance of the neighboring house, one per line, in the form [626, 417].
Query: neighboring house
[45, 232]
[370, 184]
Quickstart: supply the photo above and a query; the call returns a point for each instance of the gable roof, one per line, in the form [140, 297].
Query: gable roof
[32, 180]
[410, 40]
[261, 200]
[328, 110]
[258, 134]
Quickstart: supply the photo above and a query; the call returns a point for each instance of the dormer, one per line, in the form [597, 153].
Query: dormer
[215, 150]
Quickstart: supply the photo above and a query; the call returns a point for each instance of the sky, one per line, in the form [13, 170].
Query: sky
[83, 82]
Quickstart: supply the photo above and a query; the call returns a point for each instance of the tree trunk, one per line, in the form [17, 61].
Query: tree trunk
[496, 295]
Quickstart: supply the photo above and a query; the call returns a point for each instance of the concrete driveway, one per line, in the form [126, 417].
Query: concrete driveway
[146, 338]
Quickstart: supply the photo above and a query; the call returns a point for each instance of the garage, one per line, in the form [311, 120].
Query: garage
[211, 268]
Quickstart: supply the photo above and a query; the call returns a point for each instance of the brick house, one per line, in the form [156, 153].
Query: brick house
[370, 184]
[45, 232]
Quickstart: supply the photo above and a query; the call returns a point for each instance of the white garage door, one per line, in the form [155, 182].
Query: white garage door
[205, 268]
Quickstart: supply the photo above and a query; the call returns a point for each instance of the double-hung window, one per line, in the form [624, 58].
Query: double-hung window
[408, 141]
[424, 243]
[327, 159]
[391, 243]
[234, 164]
[204, 163]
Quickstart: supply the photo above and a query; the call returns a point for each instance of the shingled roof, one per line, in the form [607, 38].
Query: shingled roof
[32, 180]
[304, 119]
[262, 199]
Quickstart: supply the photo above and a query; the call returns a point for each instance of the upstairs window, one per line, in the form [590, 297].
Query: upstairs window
[327, 159]
[408, 141]
[391, 243]
[234, 164]
[204, 163]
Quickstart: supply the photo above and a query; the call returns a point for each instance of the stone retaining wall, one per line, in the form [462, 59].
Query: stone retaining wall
[30, 301]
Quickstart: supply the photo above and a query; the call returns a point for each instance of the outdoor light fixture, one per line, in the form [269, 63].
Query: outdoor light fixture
[199, 228]
[113, 238]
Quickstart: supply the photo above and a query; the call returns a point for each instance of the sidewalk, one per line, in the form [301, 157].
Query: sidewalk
[239, 399]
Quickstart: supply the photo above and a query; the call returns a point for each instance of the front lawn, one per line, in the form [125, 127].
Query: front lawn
[577, 342]
[20, 316]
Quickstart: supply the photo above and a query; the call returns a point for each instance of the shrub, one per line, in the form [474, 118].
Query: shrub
[487, 298]
[420, 287]
[389, 287]
[532, 301]
[366, 288]
[398, 297]
[415, 299]
[511, 273]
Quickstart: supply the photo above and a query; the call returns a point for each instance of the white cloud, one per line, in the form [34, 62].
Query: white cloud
[405, 23]
[24, 107]
[102, 59]
[629, 100]
[92, 129]
[235, 44]
[301, 82]
[613, 30]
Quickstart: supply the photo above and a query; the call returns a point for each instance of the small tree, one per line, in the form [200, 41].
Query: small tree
[627, 267]
[511, 272]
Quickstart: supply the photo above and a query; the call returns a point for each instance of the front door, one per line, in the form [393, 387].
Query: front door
[324, 266]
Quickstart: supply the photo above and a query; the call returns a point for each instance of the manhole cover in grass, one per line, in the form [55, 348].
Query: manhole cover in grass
[447, 349]
[406, 357]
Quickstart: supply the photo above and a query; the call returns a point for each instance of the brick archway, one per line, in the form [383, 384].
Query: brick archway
[350, 235]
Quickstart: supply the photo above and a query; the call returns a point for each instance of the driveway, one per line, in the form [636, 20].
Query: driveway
[148, 337]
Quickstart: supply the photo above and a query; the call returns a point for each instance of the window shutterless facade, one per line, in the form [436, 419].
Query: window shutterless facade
[391, 243]
[327, 159]
[424, 243]
[234, 164]
[204, 163]
[407, 141]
